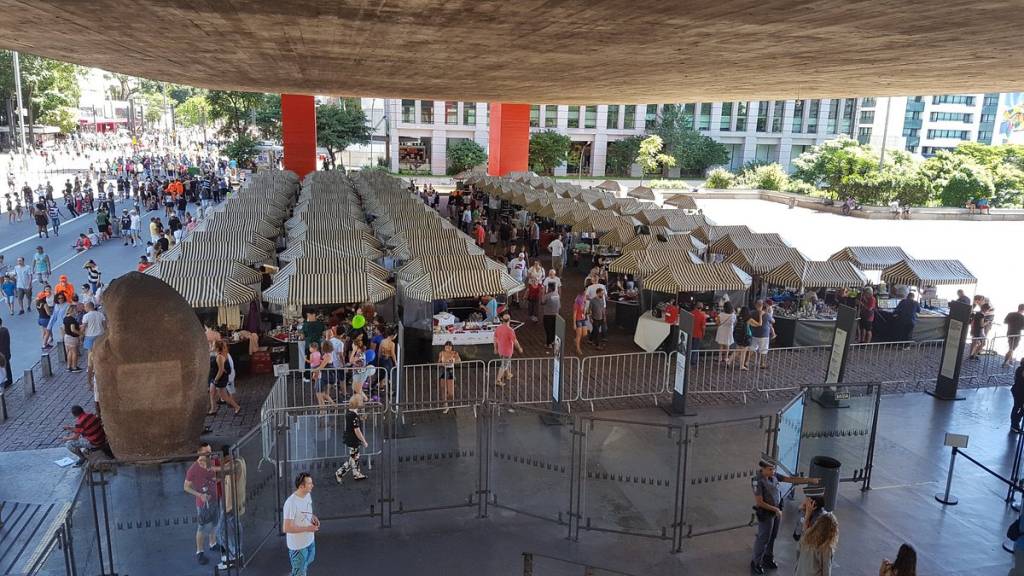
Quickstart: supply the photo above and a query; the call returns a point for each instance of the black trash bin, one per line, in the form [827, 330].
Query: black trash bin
[827, 469]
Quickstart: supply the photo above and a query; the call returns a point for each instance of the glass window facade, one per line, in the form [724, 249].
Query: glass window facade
[535, 116]
[953, 99]
[991, 100]
[762, 116]
[867, 116]
[451, 112]
[611, 122]
[741, 116]
[629, 117]
[725, 122]
[651, 116]
[798, 116]
[427, 111]
[469, 113]
[551, 116]
[574, 117]
[689, 116]
[864, 135]
[779, 109]
[833, 116]
[953, 117]
[705, 116]
[846, 122]
[812, 116]
[590, 117]
[409, 111]
[985, 136]
[957, 134]
[867, 102]
[766, 153]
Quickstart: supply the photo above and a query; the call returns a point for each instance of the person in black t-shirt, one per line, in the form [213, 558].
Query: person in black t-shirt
[72, 334]
[1014, 325]
[353, 438]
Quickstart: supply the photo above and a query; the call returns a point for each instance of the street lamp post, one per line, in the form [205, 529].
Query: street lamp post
[21, 109]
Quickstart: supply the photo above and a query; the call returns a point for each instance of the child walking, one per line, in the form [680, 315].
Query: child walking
[353, 438]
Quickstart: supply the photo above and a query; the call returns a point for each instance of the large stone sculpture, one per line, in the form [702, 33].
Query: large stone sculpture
[152, 369]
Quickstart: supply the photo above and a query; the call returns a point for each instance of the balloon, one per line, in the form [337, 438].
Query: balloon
[370, 356]
[358, 321]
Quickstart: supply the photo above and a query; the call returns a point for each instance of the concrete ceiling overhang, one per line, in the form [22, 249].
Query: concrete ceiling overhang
[540, 51]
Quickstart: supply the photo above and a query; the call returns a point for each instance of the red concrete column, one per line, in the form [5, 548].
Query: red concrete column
[509, 139]
[298, 129]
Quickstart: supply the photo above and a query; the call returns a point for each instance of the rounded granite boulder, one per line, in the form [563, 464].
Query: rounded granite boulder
[152, 368]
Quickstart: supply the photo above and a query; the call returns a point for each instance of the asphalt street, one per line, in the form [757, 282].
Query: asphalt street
[19, 239]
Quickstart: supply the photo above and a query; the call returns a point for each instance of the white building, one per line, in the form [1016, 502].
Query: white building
[418, 132]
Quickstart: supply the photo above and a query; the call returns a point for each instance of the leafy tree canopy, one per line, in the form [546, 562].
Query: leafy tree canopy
[651, 158]
[548, 149]
[694, 152]
[464, 155]
[340, 125]
[622, 155]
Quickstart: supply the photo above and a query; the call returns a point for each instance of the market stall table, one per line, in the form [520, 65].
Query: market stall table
[651, 331]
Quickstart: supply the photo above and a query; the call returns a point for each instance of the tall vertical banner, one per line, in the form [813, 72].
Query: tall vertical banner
[682, 364]
[846, 330]
[948, 380]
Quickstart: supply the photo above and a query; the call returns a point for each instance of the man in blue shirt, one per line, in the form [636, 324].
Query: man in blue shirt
[906, 317]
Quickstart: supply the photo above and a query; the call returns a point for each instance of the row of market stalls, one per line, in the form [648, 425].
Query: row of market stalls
[673, 245]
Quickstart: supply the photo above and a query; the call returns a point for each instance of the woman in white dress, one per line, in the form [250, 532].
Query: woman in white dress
[723, 335]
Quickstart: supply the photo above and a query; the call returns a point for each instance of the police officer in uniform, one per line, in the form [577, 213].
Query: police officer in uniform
[768, 507]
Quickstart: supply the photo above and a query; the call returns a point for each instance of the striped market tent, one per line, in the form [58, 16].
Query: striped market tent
[445, 285]
[697, 278]
[426, 263]
[738, 241]
[327, 289]
[578, 213]
[610, 185]
[617, 237]
[300, 231]
[219, 235]
[241, 251]
[709, 233]
[208, 292]
[557, 207]
[329, 236]
[645, 263]
[221, 223]
[601, 221]
[671, 242]
[760, 261]
[682, 222]
[631, 206]
[817, 274]
[209, 269]
[342, 265]
[681, 201]
[407, 251]
[928, 273]
[427, 235]
[641, 193]
[871, 257]
[312, 249]
[604, 203]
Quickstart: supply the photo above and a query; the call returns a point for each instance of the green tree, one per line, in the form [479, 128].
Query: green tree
[548, 149]
[154, 109]
[464, 155]
[195, 111]
[765, 177]
[49, 88]
[957, 179]
[268, 116]
[242, 150]
[831, 164]
[340, 125]
[234, 109]
[651, 158]
[694, 152]
[720, 178]
[622, 154]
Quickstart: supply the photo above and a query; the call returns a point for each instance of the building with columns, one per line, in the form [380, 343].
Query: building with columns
[418, 132]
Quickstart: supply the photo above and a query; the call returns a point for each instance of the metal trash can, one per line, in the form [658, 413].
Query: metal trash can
[827, 469]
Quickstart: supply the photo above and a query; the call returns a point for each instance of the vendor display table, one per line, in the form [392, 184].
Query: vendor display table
[461, 336]
[651, 332]
[791, 331]
[931, 325]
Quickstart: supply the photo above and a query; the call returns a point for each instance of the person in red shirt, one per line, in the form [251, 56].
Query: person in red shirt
[505, 344]
[700, 320]
[480, 234]
[143, 264]
[85, 435]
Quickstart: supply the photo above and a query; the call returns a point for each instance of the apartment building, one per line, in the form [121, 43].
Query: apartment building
[418, 132]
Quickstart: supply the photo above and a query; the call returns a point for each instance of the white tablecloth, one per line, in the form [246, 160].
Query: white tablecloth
[651, 332]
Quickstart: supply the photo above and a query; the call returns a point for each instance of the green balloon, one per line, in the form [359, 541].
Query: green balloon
[358, 321]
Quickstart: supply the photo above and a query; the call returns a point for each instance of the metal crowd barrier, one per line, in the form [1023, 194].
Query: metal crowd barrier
[623, 375]
[421, 386]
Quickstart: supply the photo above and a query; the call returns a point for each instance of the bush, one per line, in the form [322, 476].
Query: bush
[799, 187]
[765, 177]
[720, 178]
[464, 155]
[622, 154]
[670, 184]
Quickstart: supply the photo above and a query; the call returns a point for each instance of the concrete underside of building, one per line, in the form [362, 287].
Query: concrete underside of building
[540, 51]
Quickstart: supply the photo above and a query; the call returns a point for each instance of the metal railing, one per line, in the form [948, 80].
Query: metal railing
[623, 375]
[426, 387]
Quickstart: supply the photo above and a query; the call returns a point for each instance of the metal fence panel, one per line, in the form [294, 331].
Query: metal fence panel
[789, 422]
[531, 461]
[988, 366]
[422, 388]
[531, 381]
[623, 375]
[631, 478]
[838, 422]
[436, 461]
[892, 361]
[721, 459]
[257, 485]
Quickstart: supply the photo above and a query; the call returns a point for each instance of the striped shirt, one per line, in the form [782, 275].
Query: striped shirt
[94, 274]
[91, 428]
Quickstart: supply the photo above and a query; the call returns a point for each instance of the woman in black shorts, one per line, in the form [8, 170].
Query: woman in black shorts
[448, 358]
[741, 335]
[221, 372]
